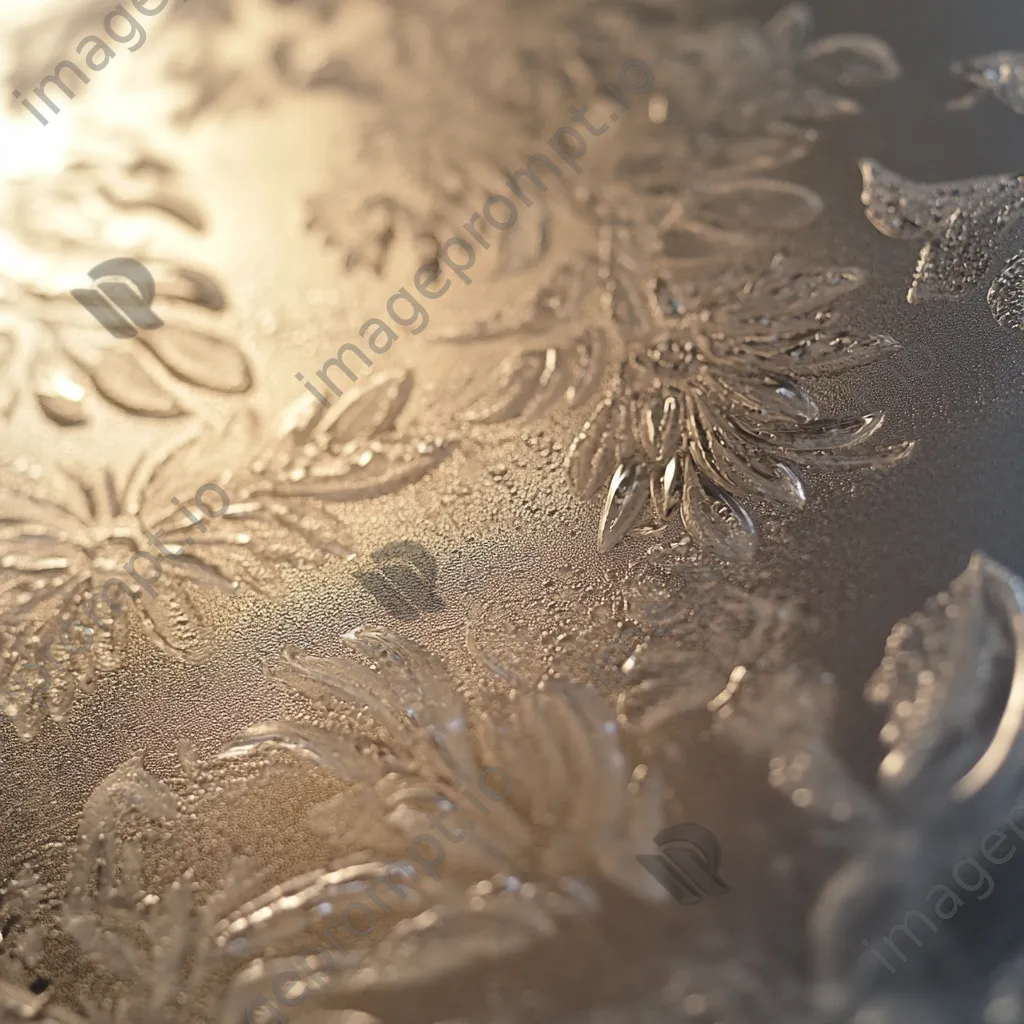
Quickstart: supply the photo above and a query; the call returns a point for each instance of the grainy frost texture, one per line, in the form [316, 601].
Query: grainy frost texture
[431, 617]
[83, 558]
[963, 224]
[516, 852]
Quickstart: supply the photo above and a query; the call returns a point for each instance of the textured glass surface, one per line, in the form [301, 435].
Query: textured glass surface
[509, 512]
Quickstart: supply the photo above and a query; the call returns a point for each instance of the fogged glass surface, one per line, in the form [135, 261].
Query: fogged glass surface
[509, 512]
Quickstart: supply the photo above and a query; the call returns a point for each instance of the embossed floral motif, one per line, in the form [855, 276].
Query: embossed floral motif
[730, 103]
[65, 539]
[708, 407]
[55, 229]
[747, 76]
[737, 100]
[150, 952]
[455, 114]
[951, 684]
[710, 410]
[568, 827]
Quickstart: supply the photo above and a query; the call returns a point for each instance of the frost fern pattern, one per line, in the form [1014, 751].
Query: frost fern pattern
[62, 540]
[570, 827]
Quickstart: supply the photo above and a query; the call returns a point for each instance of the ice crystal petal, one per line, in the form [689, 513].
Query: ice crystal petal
[1006, 296]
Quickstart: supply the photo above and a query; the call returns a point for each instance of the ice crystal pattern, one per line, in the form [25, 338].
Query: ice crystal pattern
[63, 541]
[568, 827]
[952, 684]
[55, 229]
[960, 224]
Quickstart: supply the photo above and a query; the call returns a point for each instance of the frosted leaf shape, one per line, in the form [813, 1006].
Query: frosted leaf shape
[367, 411]
[363, 471]
[129, 788]
[825, 353]
[627, 495]
[401, 685]
[149, 946]
[531, 382]
[592, 455]
[1006, 296]
[350, 452]
[951, 682]
[285, 910]
[60, 389]
[122, 379]
[849, 60]
[62, 542]
[188, 285]
[318, 746]
[570, 821]
[442, 941]
[61, 224]
[754, 204]
[960, 222]
[518, 381]
[715, 520]
[1000, 73]
[200, 359]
